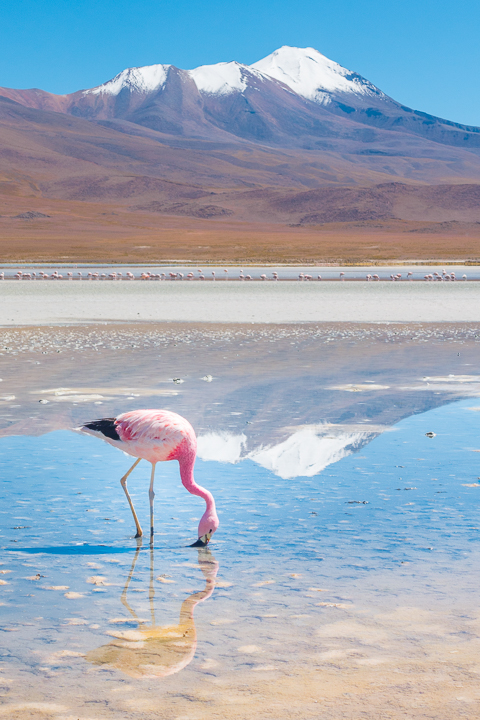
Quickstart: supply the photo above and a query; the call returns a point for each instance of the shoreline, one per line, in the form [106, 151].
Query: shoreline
[37, 304]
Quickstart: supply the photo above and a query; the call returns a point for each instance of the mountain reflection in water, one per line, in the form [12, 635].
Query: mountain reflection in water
[154, 651]
[305, 452]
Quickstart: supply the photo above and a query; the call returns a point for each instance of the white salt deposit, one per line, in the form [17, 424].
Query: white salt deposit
[47, 304]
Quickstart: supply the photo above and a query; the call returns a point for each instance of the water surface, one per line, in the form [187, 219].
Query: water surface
[343, 579]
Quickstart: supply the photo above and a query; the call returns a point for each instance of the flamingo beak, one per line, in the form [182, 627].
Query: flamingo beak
[202, 541]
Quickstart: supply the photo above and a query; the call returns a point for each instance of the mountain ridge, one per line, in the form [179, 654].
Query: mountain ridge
[302, 80]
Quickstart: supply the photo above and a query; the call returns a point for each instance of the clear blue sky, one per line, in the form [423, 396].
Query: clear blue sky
[424, 53]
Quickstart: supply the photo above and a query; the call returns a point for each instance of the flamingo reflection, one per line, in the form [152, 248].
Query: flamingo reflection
[153, 651]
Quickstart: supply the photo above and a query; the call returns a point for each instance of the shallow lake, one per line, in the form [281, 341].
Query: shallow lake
[343, 580]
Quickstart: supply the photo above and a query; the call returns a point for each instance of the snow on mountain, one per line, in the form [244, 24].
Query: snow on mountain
[223, 78]
[304, 70]
[141, 79]
[312, 75]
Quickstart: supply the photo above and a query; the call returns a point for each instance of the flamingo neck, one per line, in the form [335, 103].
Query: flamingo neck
[186, 462]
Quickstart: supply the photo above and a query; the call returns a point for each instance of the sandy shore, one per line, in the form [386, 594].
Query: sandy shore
[63, 302]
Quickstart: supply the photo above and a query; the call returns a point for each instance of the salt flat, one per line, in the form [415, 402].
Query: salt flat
[35, 303]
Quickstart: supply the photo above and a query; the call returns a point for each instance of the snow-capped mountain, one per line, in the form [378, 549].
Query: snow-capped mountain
[144, 80]
[304, 70]
[224, 78]
[295, 97]
[312, 75]
[220, 79]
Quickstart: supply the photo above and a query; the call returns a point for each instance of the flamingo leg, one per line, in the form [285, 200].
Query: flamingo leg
[123, 483]
[151, 495]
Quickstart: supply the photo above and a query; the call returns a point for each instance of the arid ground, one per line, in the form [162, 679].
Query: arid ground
[80, 231]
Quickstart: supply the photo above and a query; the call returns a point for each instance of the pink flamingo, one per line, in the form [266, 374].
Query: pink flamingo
[156, 436]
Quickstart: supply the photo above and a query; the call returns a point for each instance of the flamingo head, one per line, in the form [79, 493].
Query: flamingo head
[206, 527]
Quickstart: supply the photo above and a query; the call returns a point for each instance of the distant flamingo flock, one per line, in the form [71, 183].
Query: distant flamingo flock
[444, 276]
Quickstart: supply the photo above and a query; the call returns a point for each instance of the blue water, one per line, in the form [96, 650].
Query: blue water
[393, 524]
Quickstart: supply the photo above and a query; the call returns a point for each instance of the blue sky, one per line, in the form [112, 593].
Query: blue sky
[424, 53]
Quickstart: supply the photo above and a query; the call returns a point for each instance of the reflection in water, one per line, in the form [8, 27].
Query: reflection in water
[153, 651]
[304, 453]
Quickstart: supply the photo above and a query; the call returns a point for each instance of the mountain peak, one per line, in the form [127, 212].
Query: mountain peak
[139, 79]
[223, 78]
[312, 75]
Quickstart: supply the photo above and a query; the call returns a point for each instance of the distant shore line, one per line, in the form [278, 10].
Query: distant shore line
[71, 262]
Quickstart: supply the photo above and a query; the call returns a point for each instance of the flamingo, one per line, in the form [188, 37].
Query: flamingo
[156, 436]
